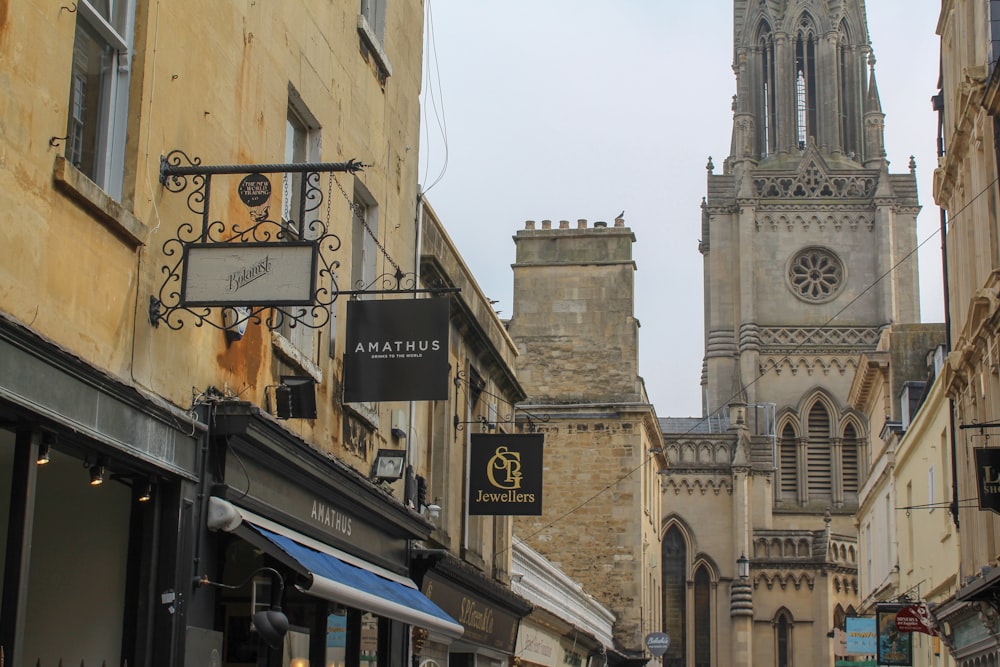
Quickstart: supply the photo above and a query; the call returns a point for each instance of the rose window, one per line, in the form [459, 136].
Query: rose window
[816, 274]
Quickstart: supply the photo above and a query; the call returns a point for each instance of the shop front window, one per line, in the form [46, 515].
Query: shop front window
[321, 633]
[336, 639]
[369, 639]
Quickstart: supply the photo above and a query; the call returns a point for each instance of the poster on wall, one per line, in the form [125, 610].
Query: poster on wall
[861, 635]
[505, 474]
[894, 647]
[396, 350]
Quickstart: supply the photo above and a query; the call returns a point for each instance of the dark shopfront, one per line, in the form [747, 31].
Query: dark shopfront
[98, 483]
[489, 612]
[288, 525]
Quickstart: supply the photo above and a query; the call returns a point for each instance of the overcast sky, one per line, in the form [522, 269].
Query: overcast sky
[569, 109]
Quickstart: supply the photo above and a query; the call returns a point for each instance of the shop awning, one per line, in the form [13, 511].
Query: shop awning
[341, 577]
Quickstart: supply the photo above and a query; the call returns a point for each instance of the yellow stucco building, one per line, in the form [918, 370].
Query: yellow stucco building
[183, 453]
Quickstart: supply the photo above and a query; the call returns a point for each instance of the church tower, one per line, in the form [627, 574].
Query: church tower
[807, 210]
[808, 243]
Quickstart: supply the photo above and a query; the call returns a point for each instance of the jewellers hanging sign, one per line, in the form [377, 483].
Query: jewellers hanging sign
[988, 477]
[249, 274]
[396, 350]
[505, 474]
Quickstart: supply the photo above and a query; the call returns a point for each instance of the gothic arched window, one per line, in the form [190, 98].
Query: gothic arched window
[702, 618]
[783, 638]
[818, 453]
[849, 463]
[674, 557]
[766, 111]
[788, 463]
[850, 102]
[805, 80]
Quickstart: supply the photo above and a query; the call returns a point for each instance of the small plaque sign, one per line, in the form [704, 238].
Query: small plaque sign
[249, 274]
[255, 192]
[657, 643]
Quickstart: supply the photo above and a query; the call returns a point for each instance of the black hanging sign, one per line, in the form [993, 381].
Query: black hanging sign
[988, 477]
[505, 474]
[396, 350]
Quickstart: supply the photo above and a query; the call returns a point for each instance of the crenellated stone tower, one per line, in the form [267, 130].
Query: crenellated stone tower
[577, 339]
[809, 252]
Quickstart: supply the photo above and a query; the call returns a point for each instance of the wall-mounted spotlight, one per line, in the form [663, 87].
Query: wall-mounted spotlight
[145, 491]
[98, 471]
[48, 439]
[388, 465]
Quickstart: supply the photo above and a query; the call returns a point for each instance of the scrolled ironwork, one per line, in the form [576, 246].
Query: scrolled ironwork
[389, 283]
[166, 305]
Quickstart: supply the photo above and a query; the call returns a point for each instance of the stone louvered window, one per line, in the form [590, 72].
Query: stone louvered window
[821, 467]
[788, 464]
[818, 459]
[849, 461]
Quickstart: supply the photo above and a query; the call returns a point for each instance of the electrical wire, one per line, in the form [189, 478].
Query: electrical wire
[598, 494]
[436, 104]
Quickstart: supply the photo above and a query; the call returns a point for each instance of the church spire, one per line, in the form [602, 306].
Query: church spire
[874, 121]
[800, 71]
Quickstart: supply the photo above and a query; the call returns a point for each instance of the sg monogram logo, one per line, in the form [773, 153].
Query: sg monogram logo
[508, 463]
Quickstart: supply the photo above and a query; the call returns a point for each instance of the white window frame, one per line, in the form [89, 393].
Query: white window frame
[112, 95]
[373, 12]
[371, 27]
[304, 147]
[364, 249]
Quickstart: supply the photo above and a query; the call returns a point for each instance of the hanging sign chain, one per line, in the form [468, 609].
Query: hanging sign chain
[360, 216]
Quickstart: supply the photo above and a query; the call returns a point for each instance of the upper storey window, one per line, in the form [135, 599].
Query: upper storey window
[372, 26]
[98, 95]
[850, 99]
[805, 81]
[766, 106]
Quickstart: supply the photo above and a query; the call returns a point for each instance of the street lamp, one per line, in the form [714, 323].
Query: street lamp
[743, 567]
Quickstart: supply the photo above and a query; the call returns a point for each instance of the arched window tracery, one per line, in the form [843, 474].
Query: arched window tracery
[702, 618]
[767, 135]
[818, 460]
[805, 80]
[674, 555]
[788, 464]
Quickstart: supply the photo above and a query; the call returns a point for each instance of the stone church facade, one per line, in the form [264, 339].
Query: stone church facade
[822, 236]
[747, 553]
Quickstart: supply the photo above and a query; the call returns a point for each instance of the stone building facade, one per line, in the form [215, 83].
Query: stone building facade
[965, 187]
[808, 245]
[170, 471]
[577, 336]
[908, 544]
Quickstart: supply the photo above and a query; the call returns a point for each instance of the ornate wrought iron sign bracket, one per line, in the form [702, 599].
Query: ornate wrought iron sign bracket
[247, 269]
[280, 270]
